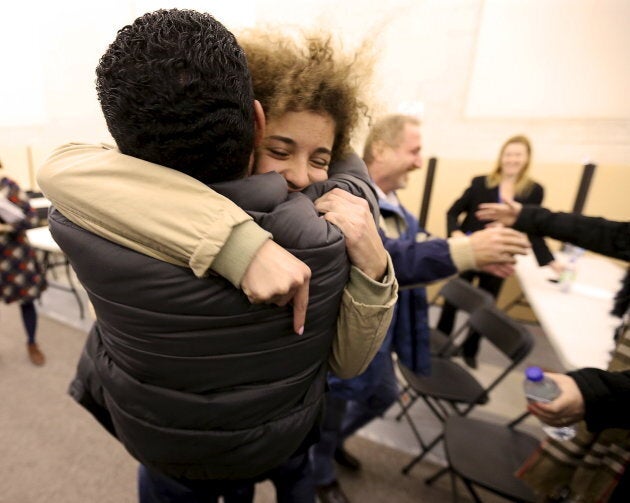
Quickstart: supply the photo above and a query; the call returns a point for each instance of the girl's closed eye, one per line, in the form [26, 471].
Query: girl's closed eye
[280, 154]
[320, 163]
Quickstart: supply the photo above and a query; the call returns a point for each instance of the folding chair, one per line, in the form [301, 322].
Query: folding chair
[451, 389]
[465, 297]
[487, 455]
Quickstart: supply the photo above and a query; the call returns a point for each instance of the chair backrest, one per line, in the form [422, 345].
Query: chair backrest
[509, 336]
[506, 334]
[464, 295]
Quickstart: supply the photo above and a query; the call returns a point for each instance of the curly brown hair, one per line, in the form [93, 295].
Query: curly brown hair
[310, 74]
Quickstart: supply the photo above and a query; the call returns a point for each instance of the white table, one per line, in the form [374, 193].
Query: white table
[39, 202]
[578, 323]
[41, 239]
[40, 205]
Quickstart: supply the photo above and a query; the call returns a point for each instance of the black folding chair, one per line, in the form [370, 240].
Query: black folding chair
[487, 455]
[453, 390]
[465, 297]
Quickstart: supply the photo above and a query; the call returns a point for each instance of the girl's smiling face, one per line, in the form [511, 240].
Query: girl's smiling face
[297, 145]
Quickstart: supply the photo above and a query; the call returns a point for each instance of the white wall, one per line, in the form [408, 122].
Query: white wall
[49, 53]
[584, 73]
[427, 53]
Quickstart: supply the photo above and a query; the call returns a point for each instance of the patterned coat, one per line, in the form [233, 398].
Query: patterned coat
[21, 275]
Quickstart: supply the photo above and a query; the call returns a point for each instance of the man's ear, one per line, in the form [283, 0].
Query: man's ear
[259, 123]
[378, 149]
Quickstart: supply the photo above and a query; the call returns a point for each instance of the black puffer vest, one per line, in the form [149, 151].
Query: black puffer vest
[194, 380]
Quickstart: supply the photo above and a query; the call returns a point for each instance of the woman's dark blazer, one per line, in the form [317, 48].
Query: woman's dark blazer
[478, 192]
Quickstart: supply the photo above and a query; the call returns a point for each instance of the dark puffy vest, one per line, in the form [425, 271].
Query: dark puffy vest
[194, 380]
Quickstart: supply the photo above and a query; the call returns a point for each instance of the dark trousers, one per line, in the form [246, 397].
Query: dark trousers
[488, 282]
[293, 482]
[343, 418]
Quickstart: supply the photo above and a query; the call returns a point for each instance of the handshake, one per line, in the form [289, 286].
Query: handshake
[495, 247]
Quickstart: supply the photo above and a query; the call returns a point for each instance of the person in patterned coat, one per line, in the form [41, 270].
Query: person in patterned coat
[22, 277]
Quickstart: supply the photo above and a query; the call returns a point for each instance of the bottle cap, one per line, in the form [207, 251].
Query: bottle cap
[534, 374]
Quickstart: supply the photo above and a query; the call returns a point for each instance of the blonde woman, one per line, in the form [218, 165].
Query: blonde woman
[508, 181]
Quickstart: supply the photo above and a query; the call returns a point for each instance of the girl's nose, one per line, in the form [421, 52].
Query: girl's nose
[297, 177]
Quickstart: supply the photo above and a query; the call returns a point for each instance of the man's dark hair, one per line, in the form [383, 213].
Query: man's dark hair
[175, 90]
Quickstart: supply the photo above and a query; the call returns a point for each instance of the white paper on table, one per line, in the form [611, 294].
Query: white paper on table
[591, 291]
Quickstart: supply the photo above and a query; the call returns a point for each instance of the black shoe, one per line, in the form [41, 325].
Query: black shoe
[347, 460]
[470, 360]
[331, 493]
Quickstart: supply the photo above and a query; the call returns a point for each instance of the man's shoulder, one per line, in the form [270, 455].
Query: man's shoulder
[296, 224]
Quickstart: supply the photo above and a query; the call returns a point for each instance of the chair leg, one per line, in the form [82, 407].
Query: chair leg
[454, 491]
[425, 450]
[520, 418]
[472, 491]
[445, 412]
[428, 481]
[440, 414]
[404, 408]
[416, 433]
[407, 468]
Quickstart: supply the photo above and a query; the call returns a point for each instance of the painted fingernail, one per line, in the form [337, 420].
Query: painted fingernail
[301, 330]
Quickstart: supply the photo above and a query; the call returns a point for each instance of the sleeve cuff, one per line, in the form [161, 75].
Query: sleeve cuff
[524, 219]
[462, 253]
[236, 254]
[369, 292]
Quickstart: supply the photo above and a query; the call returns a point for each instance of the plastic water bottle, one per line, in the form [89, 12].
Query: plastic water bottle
[567, 276]
[540, 388]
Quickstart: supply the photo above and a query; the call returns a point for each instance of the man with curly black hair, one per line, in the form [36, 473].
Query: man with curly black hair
[166, 100]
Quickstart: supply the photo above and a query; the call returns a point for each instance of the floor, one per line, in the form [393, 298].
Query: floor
[387, 444]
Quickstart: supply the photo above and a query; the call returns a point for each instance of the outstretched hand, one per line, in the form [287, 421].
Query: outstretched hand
[274, 276]
[567, 409]
[506, 212]
[352, 215]
[497, 245]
